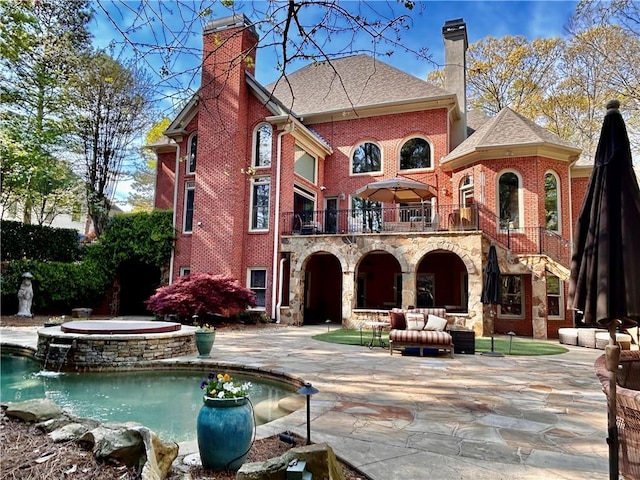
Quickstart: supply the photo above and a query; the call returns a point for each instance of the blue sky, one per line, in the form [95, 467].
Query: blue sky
[532, 19]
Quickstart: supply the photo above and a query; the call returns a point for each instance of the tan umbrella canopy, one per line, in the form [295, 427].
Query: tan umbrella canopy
[398, 190]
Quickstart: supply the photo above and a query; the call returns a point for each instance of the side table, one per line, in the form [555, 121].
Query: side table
[376, 333]
[464, 341]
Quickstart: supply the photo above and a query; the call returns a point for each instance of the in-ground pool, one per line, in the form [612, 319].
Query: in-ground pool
[166, 401]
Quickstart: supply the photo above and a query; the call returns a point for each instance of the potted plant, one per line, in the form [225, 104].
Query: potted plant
[205, 336]
[225, 424]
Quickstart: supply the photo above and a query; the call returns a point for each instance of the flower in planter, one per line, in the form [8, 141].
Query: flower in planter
[204, 327]
[222, 386]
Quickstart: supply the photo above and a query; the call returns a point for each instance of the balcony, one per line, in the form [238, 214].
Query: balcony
[391, 220]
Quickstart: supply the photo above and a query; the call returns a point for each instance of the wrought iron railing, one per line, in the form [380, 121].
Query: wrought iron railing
[401, 219]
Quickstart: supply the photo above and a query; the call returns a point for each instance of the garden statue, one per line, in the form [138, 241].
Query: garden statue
[25, 296]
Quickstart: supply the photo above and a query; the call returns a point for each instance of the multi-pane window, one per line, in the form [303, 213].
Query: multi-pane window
[189, 195]
[258, 284]
[466, 191]
[415, 153]
[555, 304]
[512, 296]
[192, 154]
[509, 201]
[260, 188]
[305, 165]
[551, 203]
[262, 142]
[366, 158]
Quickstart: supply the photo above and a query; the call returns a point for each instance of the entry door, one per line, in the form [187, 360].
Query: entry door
[331, 215]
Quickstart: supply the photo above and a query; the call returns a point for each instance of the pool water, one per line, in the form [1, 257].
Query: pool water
[167, 402]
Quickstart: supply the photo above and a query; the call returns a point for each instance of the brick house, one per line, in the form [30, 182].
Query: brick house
[262, 180]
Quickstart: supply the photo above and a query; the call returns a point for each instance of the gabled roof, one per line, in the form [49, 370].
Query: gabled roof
[350, 82]
[509, 134]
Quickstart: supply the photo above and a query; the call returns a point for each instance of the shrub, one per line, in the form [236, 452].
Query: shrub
[35, 242]
[253, 317]
[202, 294]
[57, 286]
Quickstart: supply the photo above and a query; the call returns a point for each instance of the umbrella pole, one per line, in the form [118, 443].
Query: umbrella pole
[613, 359]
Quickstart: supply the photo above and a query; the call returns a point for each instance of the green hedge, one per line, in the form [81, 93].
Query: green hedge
[34, 242]
[57, 286]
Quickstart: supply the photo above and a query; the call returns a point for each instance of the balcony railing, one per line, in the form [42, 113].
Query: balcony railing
[397, 220]
[381, 220]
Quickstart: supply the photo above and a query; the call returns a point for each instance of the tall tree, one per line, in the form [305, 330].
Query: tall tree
[143, 185]
[112, 100]
[39, 44]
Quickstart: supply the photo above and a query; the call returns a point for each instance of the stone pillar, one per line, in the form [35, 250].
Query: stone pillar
[539, 301]
[348, 297]
[408, 289]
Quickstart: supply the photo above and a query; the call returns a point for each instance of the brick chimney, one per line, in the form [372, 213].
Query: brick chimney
[454, 34]
[229, 49]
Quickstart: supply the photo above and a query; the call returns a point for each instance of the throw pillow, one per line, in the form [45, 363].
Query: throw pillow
[397, 320]
[415, 321]
[436, 323]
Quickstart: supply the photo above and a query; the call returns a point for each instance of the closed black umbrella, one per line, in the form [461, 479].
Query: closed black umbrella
[605, 265]
[492, 289]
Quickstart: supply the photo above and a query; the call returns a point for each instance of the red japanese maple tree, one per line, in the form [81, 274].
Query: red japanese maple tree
[202, 294]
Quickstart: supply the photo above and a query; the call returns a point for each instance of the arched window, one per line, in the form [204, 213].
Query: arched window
[509, 201]
[415, 153]
[551, 202]
[262, 139]
[366, 158]
[192, 154]
[466, 191]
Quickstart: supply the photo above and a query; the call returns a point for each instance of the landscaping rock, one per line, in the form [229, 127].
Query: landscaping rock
[116, 440]
[159, 455]
[321, 462]
[32, 411]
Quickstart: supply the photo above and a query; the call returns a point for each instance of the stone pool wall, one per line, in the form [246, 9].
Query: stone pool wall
[64, 351]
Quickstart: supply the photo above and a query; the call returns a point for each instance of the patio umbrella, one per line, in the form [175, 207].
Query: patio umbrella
[605, 264]
[396, 190]
[492, 290]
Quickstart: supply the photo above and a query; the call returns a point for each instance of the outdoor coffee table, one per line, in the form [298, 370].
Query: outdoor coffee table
[376, 333]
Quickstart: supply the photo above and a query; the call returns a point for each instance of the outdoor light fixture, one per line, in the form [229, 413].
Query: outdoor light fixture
[308, 390]
[328, 322]
[511, 335]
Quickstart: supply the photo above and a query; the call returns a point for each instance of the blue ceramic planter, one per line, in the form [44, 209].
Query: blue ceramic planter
[204, 343]
[225, 432]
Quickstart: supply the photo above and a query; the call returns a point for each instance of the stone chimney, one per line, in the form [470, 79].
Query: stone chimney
[454, 34]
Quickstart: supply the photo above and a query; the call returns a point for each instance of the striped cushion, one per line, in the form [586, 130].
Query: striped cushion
[427, 337]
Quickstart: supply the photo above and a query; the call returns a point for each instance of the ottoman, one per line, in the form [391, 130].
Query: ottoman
[568, 336]
[622, 339]
[587, 336]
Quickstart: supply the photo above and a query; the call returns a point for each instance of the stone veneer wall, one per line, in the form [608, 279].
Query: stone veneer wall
[408, 249]
[111, 351]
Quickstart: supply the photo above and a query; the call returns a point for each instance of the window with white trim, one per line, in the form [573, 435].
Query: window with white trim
[415, 154]
[512, 297]
[466, 191]
[365, 216]
[192, 153]
[509, 201]
[260, 194]
[555, 297]
[189, 195]
[366, 158]
[305, 165]
[257, 282]
[551, 202]
[185, 271]
[262, 144]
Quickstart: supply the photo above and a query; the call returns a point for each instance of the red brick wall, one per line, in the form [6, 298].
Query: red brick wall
[165, 180]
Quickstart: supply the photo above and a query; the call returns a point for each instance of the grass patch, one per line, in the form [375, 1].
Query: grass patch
[519, 346]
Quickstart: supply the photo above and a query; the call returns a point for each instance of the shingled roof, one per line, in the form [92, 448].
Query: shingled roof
[345, 83]
[508, 129]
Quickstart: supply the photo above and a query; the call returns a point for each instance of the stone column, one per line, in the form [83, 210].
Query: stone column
[408, 289]
[348, 297]
[539, 301]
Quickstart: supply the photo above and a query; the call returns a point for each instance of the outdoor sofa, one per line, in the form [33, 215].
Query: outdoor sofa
[421, 328]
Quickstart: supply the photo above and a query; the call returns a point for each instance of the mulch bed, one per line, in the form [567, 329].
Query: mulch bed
[29, 454]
